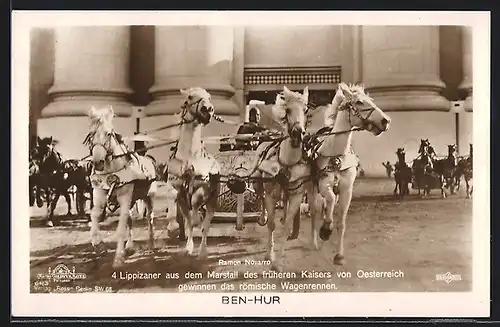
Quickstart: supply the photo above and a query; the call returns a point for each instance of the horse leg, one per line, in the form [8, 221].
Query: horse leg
[292, 208]
[345, 197]
[442, 182]
[51, 206]
[211, 203]
[80, 202]
[315, 201]
[468, 187]
[99, 198]
[173, 226]
[129, 246]
[91, 193]
[451, 181]
[284, 201]
[124, 195]
[183, 207]
[326, 190]
[149, 207]
[273, 192]
[38, 197]
[67, 197]
[32, 193]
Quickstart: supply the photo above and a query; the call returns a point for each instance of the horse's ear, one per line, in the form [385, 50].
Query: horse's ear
[38, 139]
[338, 98]
[286, 91]
[184, 92]
[110, 114]
[305, 93]
[345, 88]
[91, 112]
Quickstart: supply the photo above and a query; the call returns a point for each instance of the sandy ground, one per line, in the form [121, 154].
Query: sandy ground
[419, 237]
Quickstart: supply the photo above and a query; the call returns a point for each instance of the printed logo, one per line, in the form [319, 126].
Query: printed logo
[62, 274]
[448, 277]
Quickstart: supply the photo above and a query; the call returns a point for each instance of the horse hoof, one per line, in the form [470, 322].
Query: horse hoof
[339, 260]
[325, 233]
[189, 250]
[49, 223]
[203, 255]
[292, 237]
[262, 221]
[270, 257]
[315, 246]
[239, 228]
[118, 263]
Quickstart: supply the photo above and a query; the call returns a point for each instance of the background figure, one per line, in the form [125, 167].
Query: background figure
[388, 168]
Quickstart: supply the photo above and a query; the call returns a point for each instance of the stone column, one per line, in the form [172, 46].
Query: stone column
[401, 67]
[91, 68]
[239, 68]
[401, 71]
[188, 56]
[467, 66]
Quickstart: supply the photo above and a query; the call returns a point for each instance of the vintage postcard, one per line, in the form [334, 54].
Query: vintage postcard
[250, 164]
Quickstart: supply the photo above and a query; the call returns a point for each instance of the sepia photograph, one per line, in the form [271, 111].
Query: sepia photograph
[248, 163]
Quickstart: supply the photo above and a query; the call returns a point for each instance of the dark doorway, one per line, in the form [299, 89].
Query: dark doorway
[316, 97]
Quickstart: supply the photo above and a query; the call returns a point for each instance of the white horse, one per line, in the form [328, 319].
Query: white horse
[283, 168]
[120, 172]
[192, 171]
[334, 168]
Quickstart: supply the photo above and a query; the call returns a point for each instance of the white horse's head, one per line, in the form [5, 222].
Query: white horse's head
[362, 111]
[290, 109]
[197, 106]
[101, 134]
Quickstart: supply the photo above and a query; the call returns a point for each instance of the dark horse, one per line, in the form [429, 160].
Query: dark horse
[34, 178]
[402, 174]
[57, 175]
[423, 178]
[464, 169]
[445, 170]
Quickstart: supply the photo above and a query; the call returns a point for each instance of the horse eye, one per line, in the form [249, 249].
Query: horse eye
[190, 97]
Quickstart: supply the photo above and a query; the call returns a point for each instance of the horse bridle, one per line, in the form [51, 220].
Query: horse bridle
[105, 145]
[196, 114]
[354, 111]
[290, 127]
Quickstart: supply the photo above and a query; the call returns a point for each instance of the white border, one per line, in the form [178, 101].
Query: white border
[475, 303]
